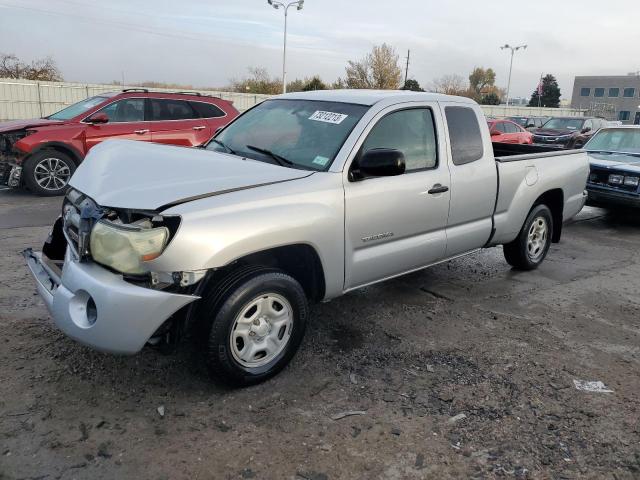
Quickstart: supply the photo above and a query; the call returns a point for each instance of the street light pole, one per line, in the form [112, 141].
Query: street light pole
[285, 7]
[513, 51]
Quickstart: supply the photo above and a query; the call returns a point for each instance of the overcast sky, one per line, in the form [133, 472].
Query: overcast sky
[206, 43]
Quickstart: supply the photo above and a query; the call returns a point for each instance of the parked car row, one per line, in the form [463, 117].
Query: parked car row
[42, 154]
[559, 132]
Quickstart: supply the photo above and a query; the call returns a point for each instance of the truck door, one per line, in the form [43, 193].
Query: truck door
[474, 179]
[397, 224]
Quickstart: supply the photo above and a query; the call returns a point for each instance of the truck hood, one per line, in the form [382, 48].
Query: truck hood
[147, 176]
[22, 124]
[615, 161]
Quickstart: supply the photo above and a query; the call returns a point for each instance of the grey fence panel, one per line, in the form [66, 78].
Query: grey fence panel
[20, 99]
[28, 99]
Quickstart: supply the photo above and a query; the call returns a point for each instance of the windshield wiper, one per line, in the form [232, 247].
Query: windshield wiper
[226, 147]
[283, 162]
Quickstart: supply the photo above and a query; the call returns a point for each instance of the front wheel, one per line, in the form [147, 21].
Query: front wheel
[47, 173]
[531, 245]
[253, 325]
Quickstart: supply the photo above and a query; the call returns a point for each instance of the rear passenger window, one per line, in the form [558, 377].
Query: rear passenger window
[464, 135]
[165, 109]
[410, 131]
[207, 110]
[511, 128]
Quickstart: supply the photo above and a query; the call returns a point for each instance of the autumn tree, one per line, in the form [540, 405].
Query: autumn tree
[378, 69]
[550, 93]
[43, 69]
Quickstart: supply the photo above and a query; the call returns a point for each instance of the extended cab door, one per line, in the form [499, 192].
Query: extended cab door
[176, 122]
[474, 178]
[126, 122]
[397, 224]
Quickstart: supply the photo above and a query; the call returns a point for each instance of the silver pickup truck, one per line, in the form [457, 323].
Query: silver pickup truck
[302, 198]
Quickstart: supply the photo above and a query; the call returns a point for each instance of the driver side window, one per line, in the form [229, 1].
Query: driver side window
[410, 131]
[127, 110]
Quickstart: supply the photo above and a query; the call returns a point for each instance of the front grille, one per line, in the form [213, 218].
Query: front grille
[601, 178]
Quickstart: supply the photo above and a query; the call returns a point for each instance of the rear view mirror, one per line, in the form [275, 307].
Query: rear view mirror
[98, 118]
[381, 162]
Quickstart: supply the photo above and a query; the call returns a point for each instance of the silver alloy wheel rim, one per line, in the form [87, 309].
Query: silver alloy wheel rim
[537, 238]
[262, 330]
[52, 173]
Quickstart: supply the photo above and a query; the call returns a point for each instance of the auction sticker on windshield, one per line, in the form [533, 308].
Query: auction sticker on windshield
[328, 117]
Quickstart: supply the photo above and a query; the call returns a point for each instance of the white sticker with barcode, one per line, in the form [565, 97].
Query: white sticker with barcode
[328, 117]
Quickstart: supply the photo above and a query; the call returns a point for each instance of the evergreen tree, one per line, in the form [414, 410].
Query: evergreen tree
[550, 93]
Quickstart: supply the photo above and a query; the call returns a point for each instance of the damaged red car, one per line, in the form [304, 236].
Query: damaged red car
[42, 154]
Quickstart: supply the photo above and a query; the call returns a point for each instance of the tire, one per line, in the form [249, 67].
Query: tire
[247, 338]
[531, 245]
[47, 172]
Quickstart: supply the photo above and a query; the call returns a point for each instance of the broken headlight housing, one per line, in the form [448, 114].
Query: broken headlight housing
[125, 248]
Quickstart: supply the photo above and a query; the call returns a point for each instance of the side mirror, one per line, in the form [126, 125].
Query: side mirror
[494, 133]
[530, 125]
[218, 130]
[381, 162]
[98, 118]
[586, 129]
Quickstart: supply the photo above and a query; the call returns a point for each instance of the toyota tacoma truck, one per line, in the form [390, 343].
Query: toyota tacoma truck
[302, 198]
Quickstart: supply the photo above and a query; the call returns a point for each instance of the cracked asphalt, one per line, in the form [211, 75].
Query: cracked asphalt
[464, 370]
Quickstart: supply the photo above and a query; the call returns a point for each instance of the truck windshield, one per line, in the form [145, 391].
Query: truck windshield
[616, 140]
[77, 108]
[304, 134]
[564, 124]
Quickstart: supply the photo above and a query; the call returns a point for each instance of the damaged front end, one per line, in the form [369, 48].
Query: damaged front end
[11, 157]
[94, 277]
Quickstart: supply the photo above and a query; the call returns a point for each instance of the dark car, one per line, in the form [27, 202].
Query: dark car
[568, 132]
[529, 122]
[614, 156]
[43, 153]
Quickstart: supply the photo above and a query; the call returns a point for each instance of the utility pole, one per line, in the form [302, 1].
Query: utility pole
[513, 51]
[540, 90]
[406, 70]
[275, 4]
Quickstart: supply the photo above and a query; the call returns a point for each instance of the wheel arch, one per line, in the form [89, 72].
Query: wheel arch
[61, 147]
[554, 200]
[300, 260]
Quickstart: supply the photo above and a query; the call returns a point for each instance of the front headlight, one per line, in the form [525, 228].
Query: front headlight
[631, 181]
[616, 179]
[126, 248]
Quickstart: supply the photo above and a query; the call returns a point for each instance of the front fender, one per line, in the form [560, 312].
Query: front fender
[218, 230]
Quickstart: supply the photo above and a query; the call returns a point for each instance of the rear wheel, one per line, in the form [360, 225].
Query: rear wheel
[47, 173]
[531, 245]
[252, 325]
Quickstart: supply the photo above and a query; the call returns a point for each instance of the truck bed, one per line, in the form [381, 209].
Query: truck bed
[501, 150]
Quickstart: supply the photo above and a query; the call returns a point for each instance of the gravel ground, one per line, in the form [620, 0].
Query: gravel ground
[465, 370]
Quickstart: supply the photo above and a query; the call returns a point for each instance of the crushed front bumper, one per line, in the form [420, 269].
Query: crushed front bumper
[97, 307]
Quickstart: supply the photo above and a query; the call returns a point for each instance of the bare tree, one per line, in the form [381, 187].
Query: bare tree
[450, 85]
[378, 69]
[44, 69]
[258, 81]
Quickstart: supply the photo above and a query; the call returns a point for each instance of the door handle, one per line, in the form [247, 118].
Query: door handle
[141, 132]
[437, 188]
[199, 127]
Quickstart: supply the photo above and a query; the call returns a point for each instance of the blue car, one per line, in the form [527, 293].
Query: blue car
[614, 155]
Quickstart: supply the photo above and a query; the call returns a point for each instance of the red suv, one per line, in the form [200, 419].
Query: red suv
[43, 153]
